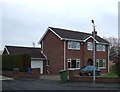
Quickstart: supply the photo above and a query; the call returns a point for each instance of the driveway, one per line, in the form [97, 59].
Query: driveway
[5, 78]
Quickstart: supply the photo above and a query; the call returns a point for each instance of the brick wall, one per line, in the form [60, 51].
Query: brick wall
[53, 48]
[99, 55]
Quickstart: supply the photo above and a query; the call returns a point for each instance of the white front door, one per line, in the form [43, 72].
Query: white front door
[37, 64]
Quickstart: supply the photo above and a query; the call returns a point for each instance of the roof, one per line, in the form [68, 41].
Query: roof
[74, 35]
[34, 52]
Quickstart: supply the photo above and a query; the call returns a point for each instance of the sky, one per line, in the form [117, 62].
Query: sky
[23, 22]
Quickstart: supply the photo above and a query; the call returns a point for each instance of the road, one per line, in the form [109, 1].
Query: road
[42, 84]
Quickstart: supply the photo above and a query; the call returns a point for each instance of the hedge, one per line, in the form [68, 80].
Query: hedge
[118, 67]
[21, 61]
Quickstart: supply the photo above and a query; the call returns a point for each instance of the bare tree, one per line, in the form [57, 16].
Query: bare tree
[114, 47]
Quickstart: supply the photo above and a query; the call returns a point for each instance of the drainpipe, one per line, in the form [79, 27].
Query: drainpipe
[64, 54]
[42, 46]
[108, 57]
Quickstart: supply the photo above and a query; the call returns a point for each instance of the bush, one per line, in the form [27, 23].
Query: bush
[118, 68]
[21, 61]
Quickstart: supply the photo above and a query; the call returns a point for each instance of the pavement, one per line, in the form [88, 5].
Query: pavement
[50, 77]
[5, 78]
[53, 82]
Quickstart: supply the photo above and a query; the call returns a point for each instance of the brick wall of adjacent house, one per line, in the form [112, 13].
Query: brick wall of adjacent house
[53, 49]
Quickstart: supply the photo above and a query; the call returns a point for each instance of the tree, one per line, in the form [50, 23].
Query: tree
[114, 47]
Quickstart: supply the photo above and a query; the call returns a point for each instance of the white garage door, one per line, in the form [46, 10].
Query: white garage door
[37, 64]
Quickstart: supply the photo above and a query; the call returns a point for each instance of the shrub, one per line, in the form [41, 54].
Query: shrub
[118, 68]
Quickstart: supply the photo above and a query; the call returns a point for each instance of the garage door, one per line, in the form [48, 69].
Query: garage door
[37, 64]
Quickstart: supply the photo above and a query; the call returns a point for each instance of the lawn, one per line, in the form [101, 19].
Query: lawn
[112, 74]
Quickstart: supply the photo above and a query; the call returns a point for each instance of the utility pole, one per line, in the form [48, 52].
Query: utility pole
[93, 49]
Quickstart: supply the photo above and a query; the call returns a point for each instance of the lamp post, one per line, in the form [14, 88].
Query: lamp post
[93, 49]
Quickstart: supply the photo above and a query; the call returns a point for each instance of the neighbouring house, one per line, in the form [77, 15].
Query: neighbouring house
[67, 49]
[37, 57]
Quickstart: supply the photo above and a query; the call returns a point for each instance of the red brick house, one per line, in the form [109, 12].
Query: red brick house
[67, 49]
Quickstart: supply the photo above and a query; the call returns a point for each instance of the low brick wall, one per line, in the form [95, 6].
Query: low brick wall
[107, 80]
[16, 74]
[77, 78]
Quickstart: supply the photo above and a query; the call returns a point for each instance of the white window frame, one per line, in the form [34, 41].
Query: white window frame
[48, 63]
[89, 43]
[77, 61]
[98, 47]
[103, 60]
[77, 46]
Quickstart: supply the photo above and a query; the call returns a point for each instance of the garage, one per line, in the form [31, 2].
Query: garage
[37, 57]
[37, 64]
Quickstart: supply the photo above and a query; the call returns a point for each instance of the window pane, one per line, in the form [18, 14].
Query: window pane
[73, 45]
[78, 65]
[101, 63]
[69, 66]
[104, 63]
[100, 47]
[73, 62]
[90, 46]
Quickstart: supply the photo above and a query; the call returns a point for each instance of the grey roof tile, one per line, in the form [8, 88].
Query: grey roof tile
[34, 52]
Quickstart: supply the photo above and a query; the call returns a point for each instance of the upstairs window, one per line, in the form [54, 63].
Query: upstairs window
[73, 45]
[100, 47]
[89, 46]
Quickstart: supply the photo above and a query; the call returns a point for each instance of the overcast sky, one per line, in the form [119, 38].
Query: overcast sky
[25, 21]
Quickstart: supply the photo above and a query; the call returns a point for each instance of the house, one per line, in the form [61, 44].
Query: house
[37, 58]
[67, 49]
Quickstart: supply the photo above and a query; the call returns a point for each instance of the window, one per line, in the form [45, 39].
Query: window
[73, 63]
[73, 45]
[101, 63]
[100, 47]
[48, 63]
[90, 46]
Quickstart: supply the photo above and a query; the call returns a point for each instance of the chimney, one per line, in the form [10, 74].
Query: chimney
[95, 32]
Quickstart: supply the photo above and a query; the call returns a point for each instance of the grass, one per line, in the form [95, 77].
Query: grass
[112, 74]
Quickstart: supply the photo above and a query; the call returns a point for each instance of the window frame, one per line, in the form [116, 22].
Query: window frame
[98, 47]
[89, 43]
[103, 61]
[48, 63]
[77, 46]
[70, 61]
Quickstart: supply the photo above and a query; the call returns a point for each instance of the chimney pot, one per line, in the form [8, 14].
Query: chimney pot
[95, 32]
